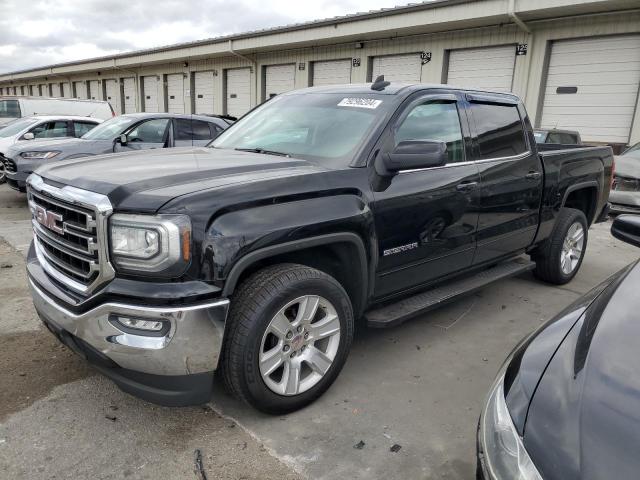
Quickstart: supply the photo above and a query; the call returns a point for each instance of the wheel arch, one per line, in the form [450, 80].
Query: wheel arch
[584, 197]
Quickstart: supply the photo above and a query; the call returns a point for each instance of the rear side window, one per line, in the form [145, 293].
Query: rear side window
[9, 109]
[183, 130]
[201, 130]
[82, 127]
[561, 137]
[499, 129]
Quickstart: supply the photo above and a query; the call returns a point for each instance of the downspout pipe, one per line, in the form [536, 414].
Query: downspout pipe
[511, 11]
[136, 78]
[239, 55]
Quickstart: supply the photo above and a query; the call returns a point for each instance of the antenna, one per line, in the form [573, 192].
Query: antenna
[380, 84]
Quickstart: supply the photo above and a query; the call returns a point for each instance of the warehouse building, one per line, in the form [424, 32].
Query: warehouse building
[576, 63]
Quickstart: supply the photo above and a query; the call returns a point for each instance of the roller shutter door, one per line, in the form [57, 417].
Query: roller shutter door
[279, 79]
[398, 68]
[175, 93]
[94, 90]
[112, 89]
[81, 89]
[150, 86]
[66, 90]
[55, 90]
[130, 95]
[487, 68]
[334, 72]
[238, 91]
[203, 86]
[44, 90]
[592, 87]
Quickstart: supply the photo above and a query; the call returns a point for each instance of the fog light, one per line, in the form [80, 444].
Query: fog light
[140, 326]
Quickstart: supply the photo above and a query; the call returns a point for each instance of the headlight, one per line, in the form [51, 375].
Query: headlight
[151, 244]
[39, 155]
[504, 454]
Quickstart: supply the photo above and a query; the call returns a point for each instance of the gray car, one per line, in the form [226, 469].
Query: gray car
[625, 192]
[124, 133]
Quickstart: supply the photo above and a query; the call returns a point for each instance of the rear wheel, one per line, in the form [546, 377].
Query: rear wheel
[560, 259]
[288, 335]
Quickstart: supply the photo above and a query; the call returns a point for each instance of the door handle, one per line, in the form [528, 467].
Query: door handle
[466, 186]
[533, 175]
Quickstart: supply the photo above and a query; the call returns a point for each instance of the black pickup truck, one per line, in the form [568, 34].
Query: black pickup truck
[257, 256]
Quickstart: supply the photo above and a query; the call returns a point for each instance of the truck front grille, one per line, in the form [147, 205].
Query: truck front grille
[70, 234]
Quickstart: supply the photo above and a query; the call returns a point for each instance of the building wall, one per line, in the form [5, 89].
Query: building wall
[529, 70]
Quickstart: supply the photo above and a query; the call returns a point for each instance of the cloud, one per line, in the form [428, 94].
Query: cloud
[49, 32]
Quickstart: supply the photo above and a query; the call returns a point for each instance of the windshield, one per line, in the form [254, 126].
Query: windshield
[110, 129]
[540, 136]
[16, 127]
[633, 151]
[315, 126]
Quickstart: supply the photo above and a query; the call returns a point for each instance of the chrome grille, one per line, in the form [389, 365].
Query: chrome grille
[70, 234]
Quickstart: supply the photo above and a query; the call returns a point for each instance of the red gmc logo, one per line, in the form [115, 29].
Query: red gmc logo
[48, 219]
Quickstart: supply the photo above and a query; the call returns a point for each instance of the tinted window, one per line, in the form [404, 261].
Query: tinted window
[183, 130]
[561, 137]
[82, 127]
[151, 131]
[499, 129]
[201, 130]
[9, 109]
[50, 130]
[437, 121]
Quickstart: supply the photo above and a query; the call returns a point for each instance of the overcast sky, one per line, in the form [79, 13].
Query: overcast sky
[42, 32]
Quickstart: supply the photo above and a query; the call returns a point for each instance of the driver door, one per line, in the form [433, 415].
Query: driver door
[426, 219]
[147, 135]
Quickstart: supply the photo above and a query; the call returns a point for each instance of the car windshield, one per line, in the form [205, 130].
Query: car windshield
[540, 136]
[16, 127]
[110, 129]
[314, 126]
[633, 151]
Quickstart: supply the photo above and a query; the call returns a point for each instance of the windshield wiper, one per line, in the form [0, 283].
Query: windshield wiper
[262, 151]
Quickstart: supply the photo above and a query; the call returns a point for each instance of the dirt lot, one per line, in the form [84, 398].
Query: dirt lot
[419, 386]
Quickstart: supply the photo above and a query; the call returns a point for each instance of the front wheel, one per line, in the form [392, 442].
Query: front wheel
[288, 335]
[3, 175]
[560, 259]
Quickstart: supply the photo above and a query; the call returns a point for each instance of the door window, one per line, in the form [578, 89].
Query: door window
[151, 131]
[201, 130]
[82, 127]
[438, 121]
[50, 130]
[184, 130]
[499, 129]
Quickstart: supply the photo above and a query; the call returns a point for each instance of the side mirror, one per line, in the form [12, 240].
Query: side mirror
[28, 136]
[627, 229]
[123, 139]
[412, 154]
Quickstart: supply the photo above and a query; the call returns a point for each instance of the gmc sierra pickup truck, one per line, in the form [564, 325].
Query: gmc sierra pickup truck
[256, 256]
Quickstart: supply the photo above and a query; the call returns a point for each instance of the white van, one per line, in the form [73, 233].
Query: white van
[18, 107]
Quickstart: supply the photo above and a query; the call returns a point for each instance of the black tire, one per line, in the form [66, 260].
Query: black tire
[253, 306]
[3, 173]
[548, 257]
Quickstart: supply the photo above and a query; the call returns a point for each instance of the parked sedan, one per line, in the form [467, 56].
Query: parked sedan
[625, 191]
[565, 403]
[120, 134]
[41, 127]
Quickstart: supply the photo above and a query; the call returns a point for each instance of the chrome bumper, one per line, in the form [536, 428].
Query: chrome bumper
[192, 344]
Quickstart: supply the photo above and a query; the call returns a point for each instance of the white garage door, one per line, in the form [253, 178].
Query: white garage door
[112, 89]
[175, 93]
[44, 90]
[592, 87]
[203, 86]
[334, 72]
[279, 79]
[150, 87]
[94, 90]
[238, 91]
[487, 68]
[81, 89]
[129, 89]
[66, 90]
[55, 90]
[398, 68]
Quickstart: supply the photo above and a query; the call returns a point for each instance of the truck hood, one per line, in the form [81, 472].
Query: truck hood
[583, 421]
[146, 180]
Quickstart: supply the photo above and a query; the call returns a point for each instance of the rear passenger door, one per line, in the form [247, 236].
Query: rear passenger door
[510, 176]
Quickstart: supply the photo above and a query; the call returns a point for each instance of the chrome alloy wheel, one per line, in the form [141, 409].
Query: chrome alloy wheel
[572, 248]
[299, 345]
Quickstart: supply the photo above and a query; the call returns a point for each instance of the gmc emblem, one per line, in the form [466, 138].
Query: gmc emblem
[48, 219]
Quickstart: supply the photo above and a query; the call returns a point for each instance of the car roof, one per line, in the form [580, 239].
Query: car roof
[65, 117]
[187, 116]
[29, 97]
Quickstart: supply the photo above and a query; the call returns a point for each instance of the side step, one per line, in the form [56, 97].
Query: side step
[396, 313]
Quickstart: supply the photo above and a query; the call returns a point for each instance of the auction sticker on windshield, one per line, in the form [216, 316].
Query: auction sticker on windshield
[360, 102]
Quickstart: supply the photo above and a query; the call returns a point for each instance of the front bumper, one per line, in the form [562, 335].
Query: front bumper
[173, 369]
[624, 202]
[17, 180]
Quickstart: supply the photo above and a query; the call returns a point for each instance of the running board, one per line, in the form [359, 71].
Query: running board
[398, 312]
